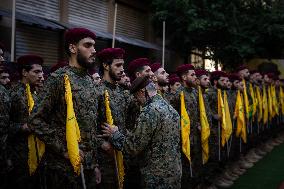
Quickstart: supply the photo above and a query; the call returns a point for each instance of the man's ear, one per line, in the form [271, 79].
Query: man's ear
[106, 66]
[215, 82]
[137, 74]
[72, 48]
[183, 77]
[24, 73]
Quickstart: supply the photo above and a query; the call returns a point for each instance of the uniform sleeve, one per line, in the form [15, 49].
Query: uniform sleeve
[40, 118]
[4, 117]
[136, 142]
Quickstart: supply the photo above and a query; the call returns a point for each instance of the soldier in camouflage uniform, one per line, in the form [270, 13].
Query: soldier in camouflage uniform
[136, 68]
[111, 65]
[30, 70]
[174, 84]
[188, 79]
[5, 106]
[218, 80]
[48, 119]
[162, 77]
[155, 140]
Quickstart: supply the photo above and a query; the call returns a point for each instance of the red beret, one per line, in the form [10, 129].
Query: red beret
[173, 80]
[59, 64]
[234, 77]
[155, 66]
[241, 67]
[217, 74]
[109, 54]
[173, 75]
[137, 63]
[74, 35]
[30, 59]
[200, 72]
[184, 68]
[2, 46]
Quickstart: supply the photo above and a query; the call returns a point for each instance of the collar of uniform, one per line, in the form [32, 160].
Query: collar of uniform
[79, 71]
[154, 98]
[109, 84]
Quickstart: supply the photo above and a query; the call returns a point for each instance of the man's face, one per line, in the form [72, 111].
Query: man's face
[1, 56]
[236, 84]
[204, 81]
[222, 82]
[190, 78]
[175, 87]
[86, 52]
[124, 80]
[229, 84]
[116, 69]
[146, 71]
[244, 74]
[96, 77]
[35, 75]
[266, 79]
[162, 76]
[4, 78]
[241, 86]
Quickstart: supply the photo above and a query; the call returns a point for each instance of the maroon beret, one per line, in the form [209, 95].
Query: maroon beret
[184, 68]
[200, 72]
[173, 80]
[30, 59]
[173, 75]
[241, 67]
[74, 35]
[137, 63]
[59, 64]
[234, 77]
[109, 54]
[155, 66]
[217, 74]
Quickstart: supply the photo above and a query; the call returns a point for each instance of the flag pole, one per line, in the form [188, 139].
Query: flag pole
[219, 141]
[164, 40]
[13, 31]
[114, 25]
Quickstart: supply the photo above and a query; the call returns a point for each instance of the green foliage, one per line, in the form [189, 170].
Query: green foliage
[233, 30]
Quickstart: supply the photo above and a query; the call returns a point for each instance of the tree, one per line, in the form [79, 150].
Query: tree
[233, 30]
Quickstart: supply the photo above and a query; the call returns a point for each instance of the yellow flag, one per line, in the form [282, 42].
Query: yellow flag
[274, 100]
[72, 129]
[228, 129]
[246, 100]
[185, 128]
[260, 104]
[240, 117]
[221, 113]
[254, 100]
[35, 146]
[265, 105]
[270, 105]
[281, 95]
[118, 154]
[205, 129]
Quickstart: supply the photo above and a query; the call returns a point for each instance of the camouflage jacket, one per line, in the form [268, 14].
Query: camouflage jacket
[156, 140]
[19, 115]
[191, 103]
[48, 119]
[119, 100]
[5, 106]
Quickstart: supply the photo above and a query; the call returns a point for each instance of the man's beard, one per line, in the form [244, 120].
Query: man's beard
[82, 61]
[113, 76]
[162, 83]
[220, 86]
